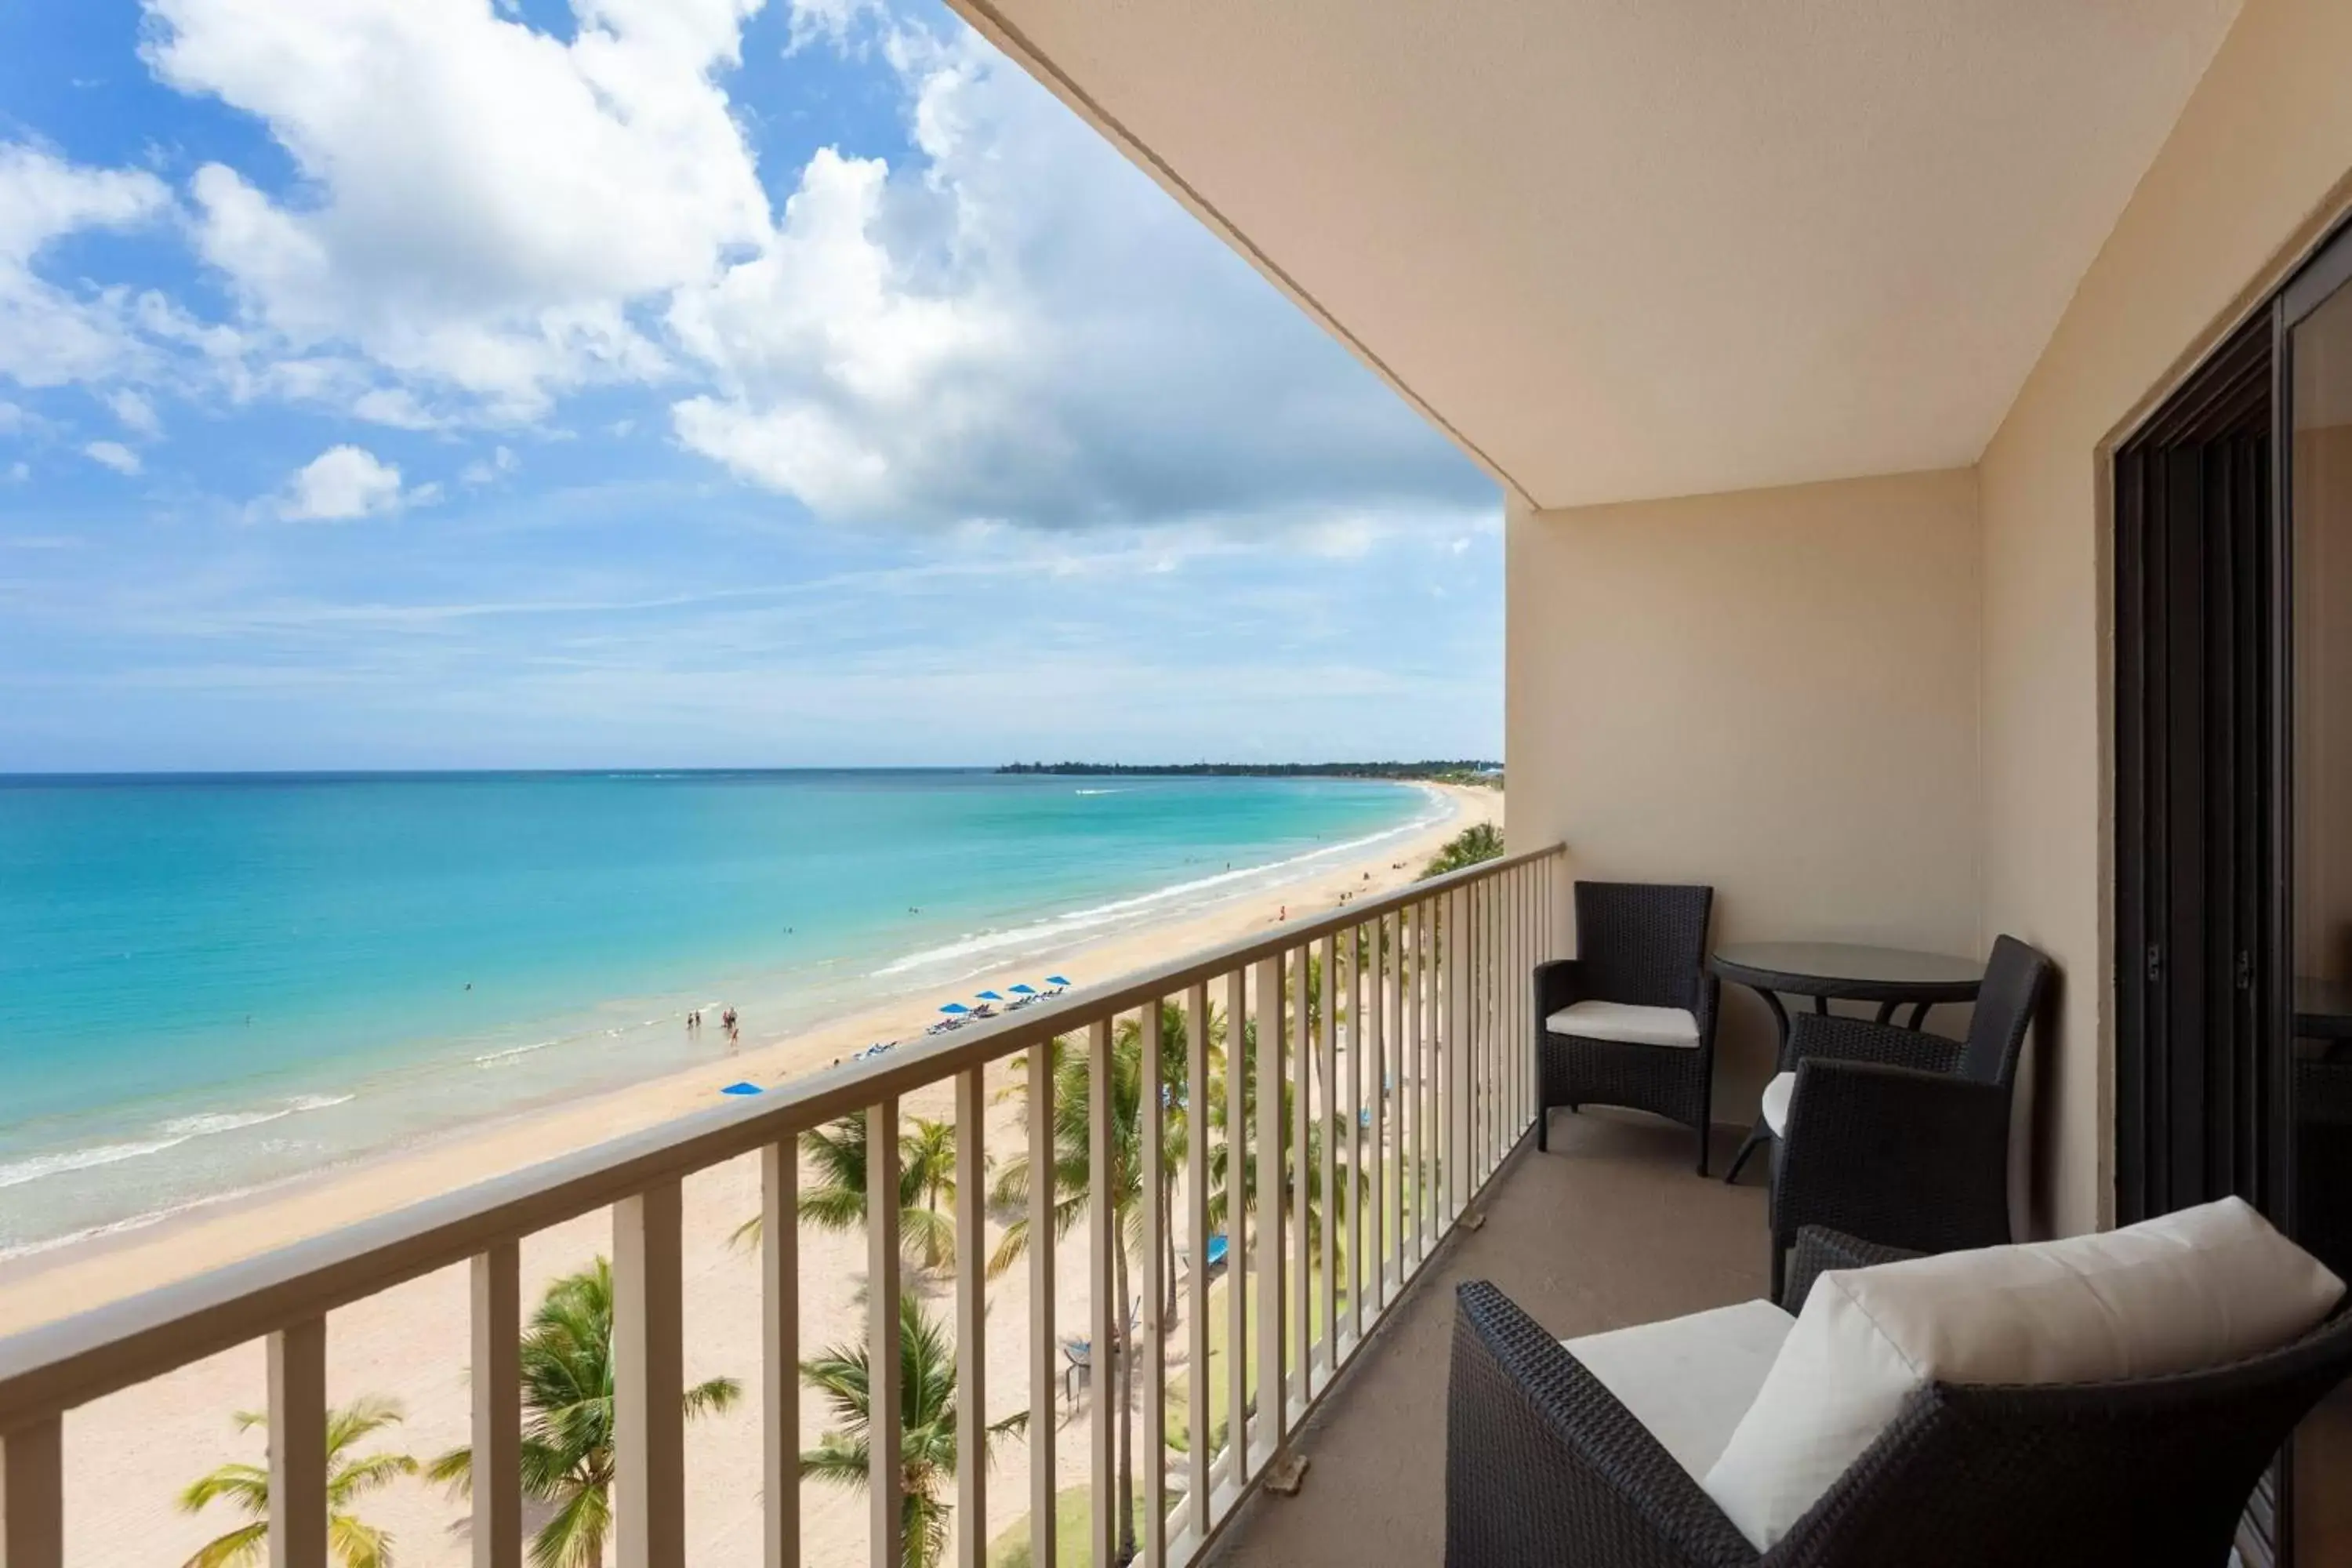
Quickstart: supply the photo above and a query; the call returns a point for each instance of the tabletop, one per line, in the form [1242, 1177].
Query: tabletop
[1806, 966]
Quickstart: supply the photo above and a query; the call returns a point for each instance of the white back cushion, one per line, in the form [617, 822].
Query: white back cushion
[2200, 1288]
[1688, 1380]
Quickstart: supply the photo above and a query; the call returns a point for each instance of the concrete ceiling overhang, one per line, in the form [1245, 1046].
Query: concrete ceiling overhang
[1621, 249]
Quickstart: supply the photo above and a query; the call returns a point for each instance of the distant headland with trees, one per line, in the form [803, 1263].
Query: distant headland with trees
[1465, 771]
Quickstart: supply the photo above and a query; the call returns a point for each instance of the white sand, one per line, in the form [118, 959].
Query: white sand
[127, 1456]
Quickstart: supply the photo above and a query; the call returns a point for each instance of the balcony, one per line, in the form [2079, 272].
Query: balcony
[1357, 1083]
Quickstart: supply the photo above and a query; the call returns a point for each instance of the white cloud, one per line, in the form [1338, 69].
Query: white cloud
[137, 413]
[483, 470]
[12, 419]
[1010, 322]
[51, 334]
[482, 202]
[19, 472]
[339, 483]
[834, 22]
[396, 406]
[1018, 324]
[113, 455]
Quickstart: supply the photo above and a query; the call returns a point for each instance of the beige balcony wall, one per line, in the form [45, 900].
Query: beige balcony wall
[2251, 176]
[1773, 691]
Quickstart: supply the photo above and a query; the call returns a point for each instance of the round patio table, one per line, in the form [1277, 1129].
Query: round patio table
[1830, 971]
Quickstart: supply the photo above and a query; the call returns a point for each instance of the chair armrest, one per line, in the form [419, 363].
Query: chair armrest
[1821, 1250]
[1557, 983]
[1827, 1037]
[1705, 1005]
[1544, 1464]
[1907, 1158]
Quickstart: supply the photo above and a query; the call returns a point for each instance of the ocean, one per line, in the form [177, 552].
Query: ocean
[212, 983]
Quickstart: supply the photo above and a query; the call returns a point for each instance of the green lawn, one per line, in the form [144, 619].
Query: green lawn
[1179, 1414]
[1072, 1533]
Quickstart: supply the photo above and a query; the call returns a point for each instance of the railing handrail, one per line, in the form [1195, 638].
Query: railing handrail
[55, 1366]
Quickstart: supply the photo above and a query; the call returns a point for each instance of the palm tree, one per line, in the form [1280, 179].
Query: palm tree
[927, 1185]
[1071, 1075]
[1479, 841]
[567, 1436]
[354, 1543]
[926, 1427]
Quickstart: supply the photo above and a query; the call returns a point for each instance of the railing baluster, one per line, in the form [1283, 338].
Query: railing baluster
[1489, 968]
[1327, 1087]
[1425, 1142]
[33, 1496]
[1044, 1549]
[884, 1476]
[1376, 1058]
[1513, 991]
[1102, 1297]
[971, 1321]
[1456, 1051]
[1534, 955]
[1196, 1204]
[1394, 1105]
[1302, 1180]
[1238, 1225]
[1354, 1133]
[297, 1445]
[648, 1379]
[1153, 1428]
[496, 1375]
[1408, 1099]
[1272, 1403]
[780, 1354]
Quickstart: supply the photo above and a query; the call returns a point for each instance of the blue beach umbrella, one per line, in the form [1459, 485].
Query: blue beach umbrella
[990, 996]
[1056, 980]
[1023, 990]
[955, 1007]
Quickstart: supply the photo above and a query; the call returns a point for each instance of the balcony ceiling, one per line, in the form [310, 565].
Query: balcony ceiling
[1631, 249]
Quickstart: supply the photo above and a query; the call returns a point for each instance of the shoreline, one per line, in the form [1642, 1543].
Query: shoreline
[47, 1281]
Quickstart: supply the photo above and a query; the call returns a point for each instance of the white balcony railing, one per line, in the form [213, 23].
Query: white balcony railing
[1430, 986]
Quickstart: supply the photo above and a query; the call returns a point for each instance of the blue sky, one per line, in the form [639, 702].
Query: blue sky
[452, 383]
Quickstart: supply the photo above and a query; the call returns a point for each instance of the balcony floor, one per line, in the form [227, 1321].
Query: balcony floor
[1611, 1227]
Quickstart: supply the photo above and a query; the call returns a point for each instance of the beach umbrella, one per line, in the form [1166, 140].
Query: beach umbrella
[1023, 990]
[955, 1007]
[990, 996]
[1056, 980]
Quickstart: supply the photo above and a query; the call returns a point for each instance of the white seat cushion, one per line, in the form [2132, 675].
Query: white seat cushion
[1625, 1022]
[1689, 1380]
[2197, 1289]
[1776, 1101]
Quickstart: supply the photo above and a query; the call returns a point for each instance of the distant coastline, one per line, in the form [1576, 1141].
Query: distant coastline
[1464, 771]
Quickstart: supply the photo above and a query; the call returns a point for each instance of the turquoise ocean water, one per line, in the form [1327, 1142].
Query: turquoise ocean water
[208, 984]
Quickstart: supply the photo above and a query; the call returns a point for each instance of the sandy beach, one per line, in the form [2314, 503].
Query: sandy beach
[129, 1455]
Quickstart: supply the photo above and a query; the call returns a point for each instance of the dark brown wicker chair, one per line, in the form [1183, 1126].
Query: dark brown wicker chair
[1903, 1136]
[1544, 1465]
[1644, 945]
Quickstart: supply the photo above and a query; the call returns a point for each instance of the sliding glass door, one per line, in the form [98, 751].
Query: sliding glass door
[2317, 1086]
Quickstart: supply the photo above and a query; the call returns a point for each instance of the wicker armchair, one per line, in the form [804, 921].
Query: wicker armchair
[1630, 1019]
[1545, 1465]
[1900, 1135]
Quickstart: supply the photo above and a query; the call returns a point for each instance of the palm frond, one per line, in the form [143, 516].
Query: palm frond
[245, 1544]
